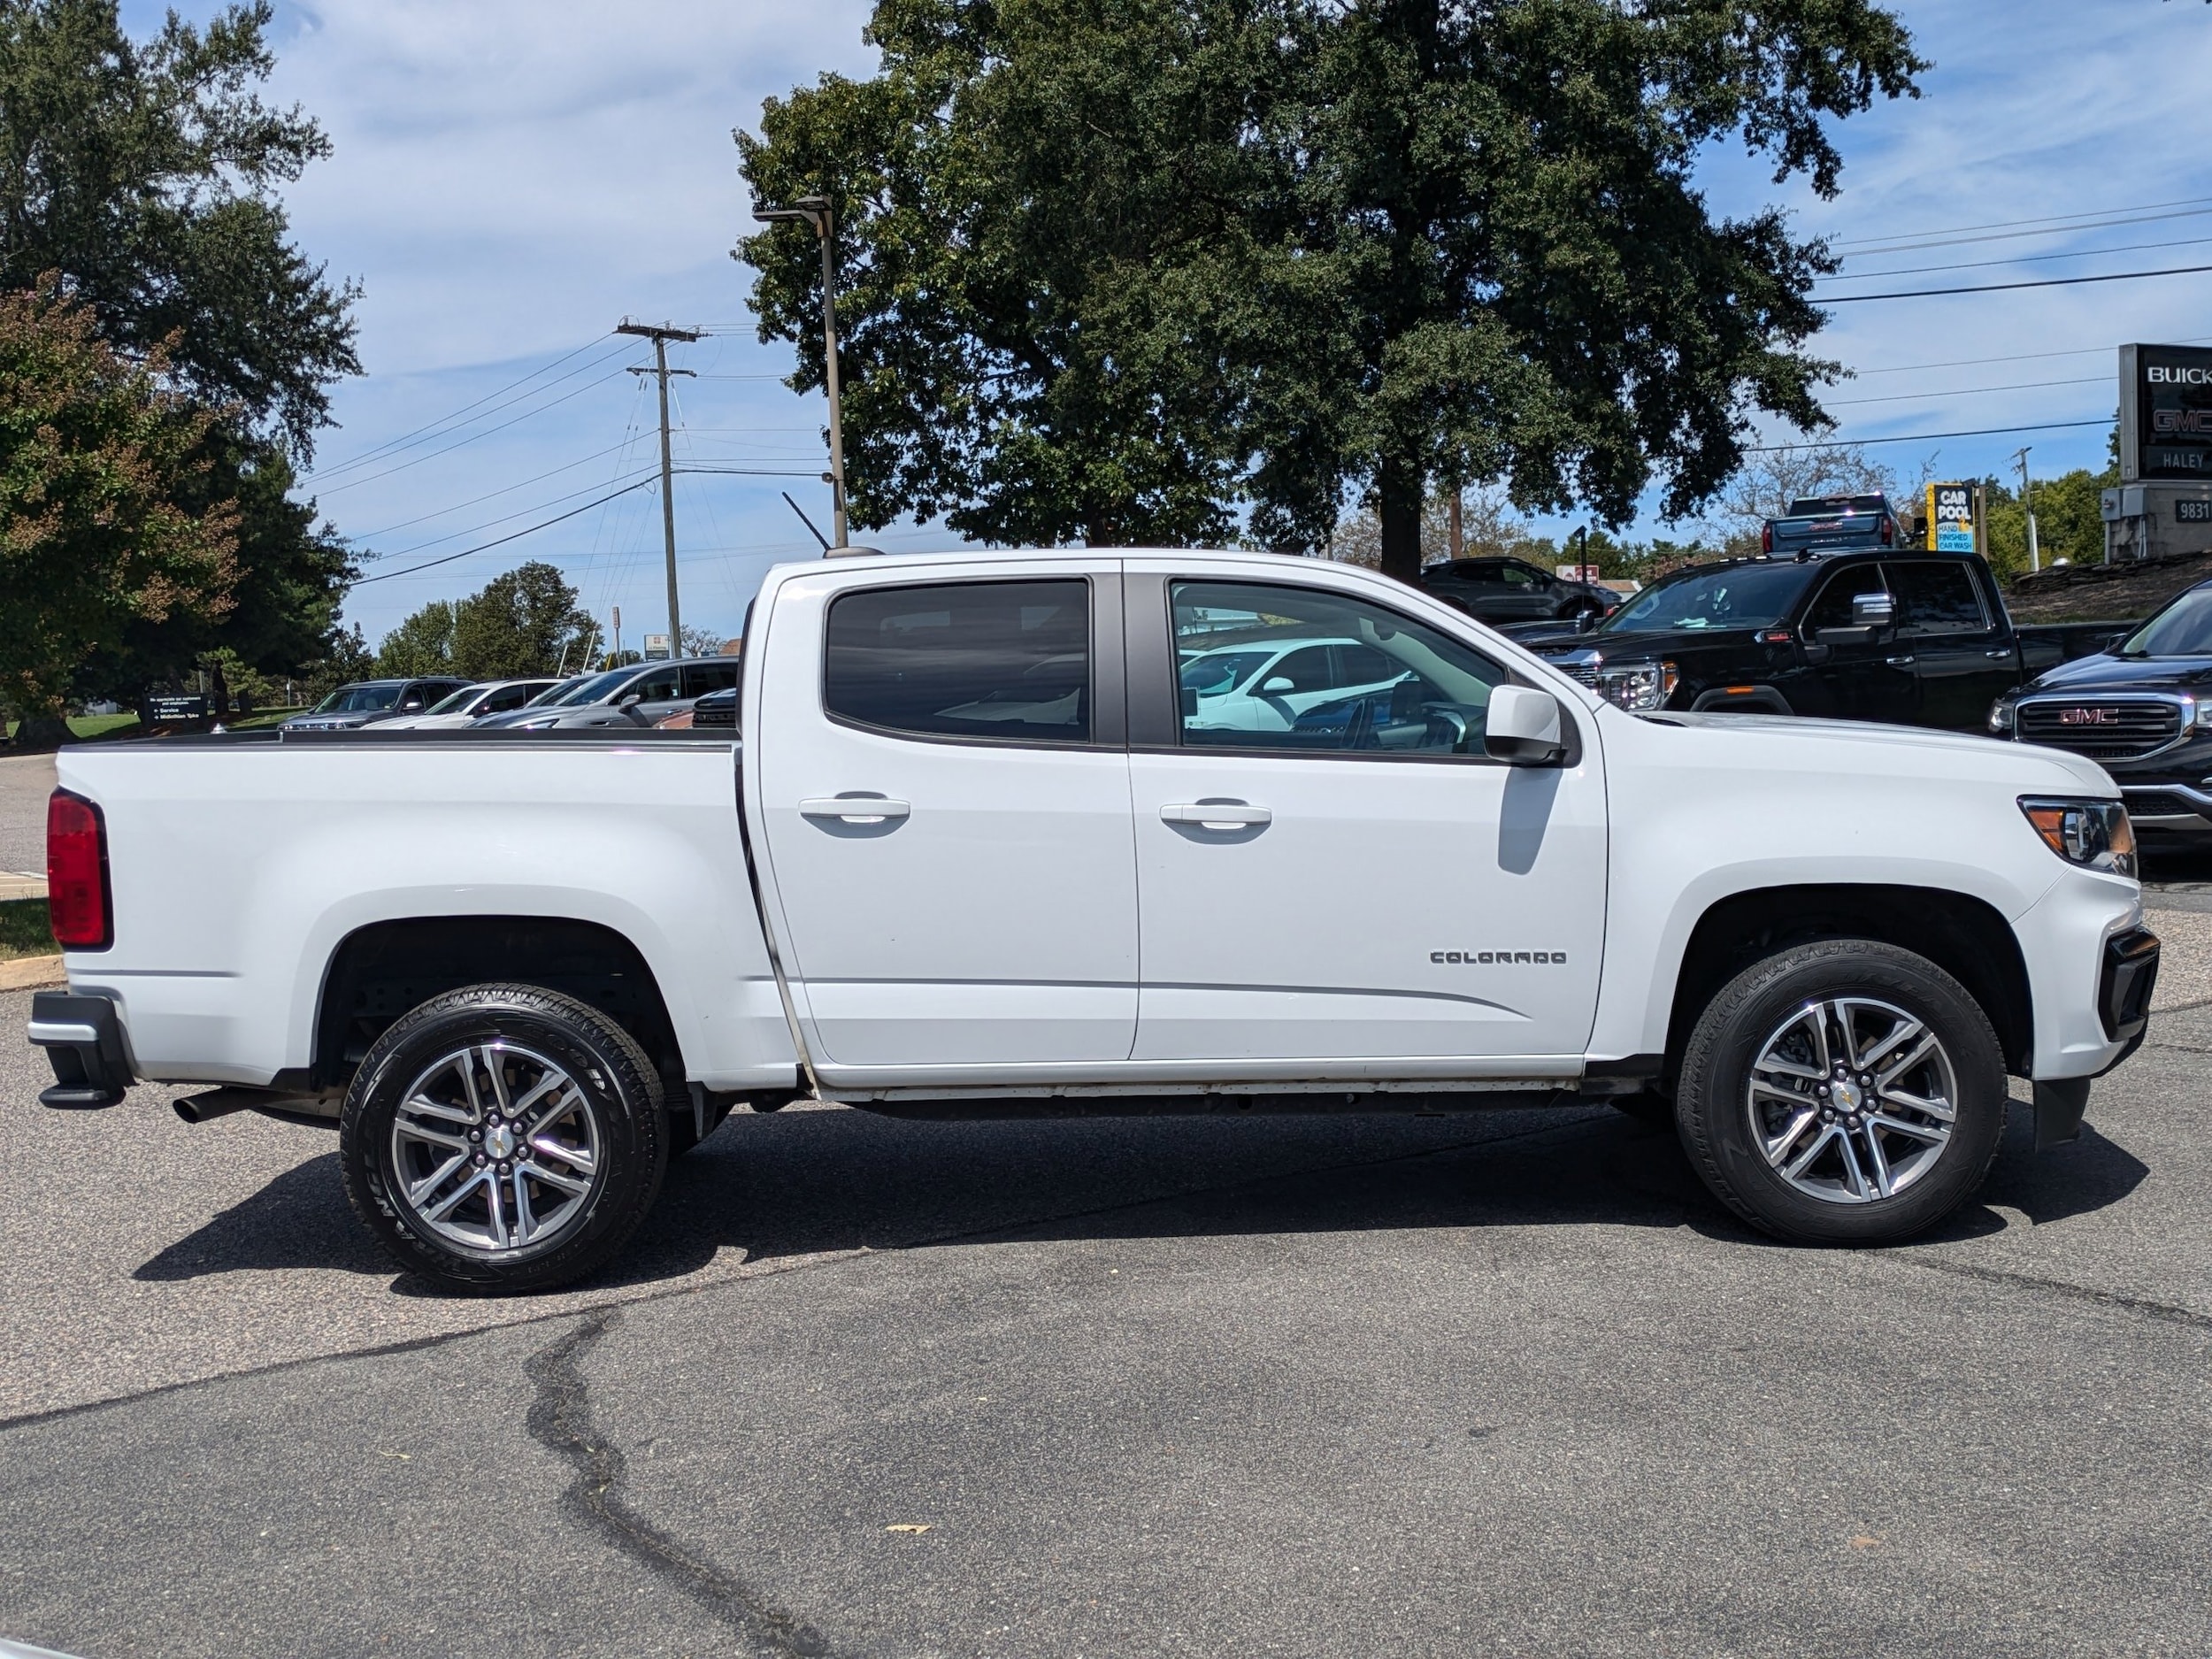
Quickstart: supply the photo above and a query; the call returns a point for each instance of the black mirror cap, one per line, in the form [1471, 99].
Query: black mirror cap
[1862, 635]
[1523, 751]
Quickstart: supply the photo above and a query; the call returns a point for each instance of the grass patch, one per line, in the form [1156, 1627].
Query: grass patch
[90, 725]
[25, 930]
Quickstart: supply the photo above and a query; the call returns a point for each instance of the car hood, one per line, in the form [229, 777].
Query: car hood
[1905, 750]
[1650, 647]
[2107, 672]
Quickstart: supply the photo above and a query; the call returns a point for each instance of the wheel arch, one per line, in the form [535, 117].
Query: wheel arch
[1964, 935]
[384, 968]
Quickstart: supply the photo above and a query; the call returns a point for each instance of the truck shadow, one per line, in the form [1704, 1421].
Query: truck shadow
[803, 1182]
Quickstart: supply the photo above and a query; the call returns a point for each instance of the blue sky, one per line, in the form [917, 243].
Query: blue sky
[513, 177]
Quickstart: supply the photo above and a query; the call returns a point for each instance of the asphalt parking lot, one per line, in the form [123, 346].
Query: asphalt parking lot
[1508, 1384]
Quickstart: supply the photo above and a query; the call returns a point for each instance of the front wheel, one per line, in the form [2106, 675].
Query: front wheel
[504, 1137]
[1844, 1092]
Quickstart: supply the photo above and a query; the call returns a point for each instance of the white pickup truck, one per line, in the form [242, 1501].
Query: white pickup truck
[982, 848]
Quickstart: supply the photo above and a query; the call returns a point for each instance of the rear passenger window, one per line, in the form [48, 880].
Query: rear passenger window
[1935, 597]
[1005, 660]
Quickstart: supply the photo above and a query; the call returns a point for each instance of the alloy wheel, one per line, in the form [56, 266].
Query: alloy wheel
[1851, 1100]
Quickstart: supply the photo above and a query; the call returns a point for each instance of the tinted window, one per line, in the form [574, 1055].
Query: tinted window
[700, 678]
[963, 659]
[1729, 596]
[507, 697]
[458, 702]
[1363, 678]
[1832, 608]
[358, 700]
[1524, 576]
[1936, 598]
[1812, 506]
[2184, 629]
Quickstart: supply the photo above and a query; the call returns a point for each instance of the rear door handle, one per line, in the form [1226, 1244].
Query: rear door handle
[856, 809]
[1217, 815]
[2003, 654]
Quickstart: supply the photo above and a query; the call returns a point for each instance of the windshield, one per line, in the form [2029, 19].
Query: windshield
[1733, 596]
[1217, 671]
[1821, 506]
[358, 700]
[2184, 629]
[591, 690]
[458, 702]
[552, 695]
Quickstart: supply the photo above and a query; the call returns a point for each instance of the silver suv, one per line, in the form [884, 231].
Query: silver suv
[637, 695]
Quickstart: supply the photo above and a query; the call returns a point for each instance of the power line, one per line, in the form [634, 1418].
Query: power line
[565, 466]
[2026, 259]
[1968, 391]
[385, 576]
[504, 518]
[1923, 437]
[371, 454]
[472, 437]
[2057, 222]
[2000, 288]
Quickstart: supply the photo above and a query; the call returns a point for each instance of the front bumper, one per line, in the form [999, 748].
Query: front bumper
[83, 1039]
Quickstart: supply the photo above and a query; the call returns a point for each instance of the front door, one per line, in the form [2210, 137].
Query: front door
[1964, 661]
[947, 816]
[1364, 885]
[1859, 673]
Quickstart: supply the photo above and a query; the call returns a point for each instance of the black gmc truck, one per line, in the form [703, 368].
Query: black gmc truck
[1902, 636]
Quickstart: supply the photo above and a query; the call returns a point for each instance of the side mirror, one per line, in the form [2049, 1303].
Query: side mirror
[2118, 640]
[630, 699]
[1873, 610]
[1277, 686]
[1522, 726]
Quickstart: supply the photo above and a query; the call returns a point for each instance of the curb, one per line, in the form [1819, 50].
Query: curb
[32, 973]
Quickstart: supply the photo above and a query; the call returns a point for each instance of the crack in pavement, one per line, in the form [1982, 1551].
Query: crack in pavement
[2143, 1307]
[560, 1421]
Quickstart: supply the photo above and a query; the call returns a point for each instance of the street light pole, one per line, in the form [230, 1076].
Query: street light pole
[816, 211]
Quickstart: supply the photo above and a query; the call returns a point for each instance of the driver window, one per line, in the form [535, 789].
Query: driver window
[1518, 576]
[1365, 678]
[1832, 608]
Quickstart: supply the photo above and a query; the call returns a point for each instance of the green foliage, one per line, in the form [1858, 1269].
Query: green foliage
[1112, 269]
[103, 518]
[25, 930]
[2069, 520]
[146, 175]
[525, 622]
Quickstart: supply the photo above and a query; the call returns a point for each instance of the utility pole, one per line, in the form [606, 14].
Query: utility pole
[816, 211]
[660, 371]
[2027, 498]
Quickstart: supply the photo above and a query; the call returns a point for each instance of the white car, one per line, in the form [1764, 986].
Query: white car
[471, 705]
[1265, 686]
[975, 856]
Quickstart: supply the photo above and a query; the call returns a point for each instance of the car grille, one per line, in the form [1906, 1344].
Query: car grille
[2103, 729]
[2159, 803]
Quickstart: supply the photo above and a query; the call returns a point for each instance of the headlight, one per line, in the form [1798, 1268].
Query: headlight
[2000, 718]
[2096, 834]
[1637, 687]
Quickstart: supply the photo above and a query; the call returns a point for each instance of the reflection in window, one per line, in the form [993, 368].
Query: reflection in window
[1936, 598]
[1286, 668]
[963, 659]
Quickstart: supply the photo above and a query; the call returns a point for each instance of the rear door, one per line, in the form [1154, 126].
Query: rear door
[1965, 659]
[944, 789]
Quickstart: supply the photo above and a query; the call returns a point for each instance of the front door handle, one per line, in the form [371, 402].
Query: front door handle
[1217, 815]
[2002, 654]
[1899, 662]
[856, 809]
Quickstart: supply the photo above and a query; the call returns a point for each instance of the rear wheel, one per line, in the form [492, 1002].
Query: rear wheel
[1845, 1092]
[504, 1137]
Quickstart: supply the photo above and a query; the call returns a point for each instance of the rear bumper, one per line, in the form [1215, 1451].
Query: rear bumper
[83, 1039]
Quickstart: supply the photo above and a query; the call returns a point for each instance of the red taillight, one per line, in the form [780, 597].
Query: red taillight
[77, 873]
[1766, 538]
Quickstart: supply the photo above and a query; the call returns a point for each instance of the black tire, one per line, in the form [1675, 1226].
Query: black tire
[1753, 1009]
[610, 1104]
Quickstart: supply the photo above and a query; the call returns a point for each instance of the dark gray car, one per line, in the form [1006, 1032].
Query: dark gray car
[637, 695]
[365, 702]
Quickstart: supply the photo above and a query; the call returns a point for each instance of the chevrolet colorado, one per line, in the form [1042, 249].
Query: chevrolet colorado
[982, 850]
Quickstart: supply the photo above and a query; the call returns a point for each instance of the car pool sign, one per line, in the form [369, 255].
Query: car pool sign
[2165, 412]
[1951, 518]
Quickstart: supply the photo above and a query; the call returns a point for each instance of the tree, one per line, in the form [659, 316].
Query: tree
[1115, 268]
[525, 622]
[699, 642]
[423, 644]
[146, 175]
[100, 528]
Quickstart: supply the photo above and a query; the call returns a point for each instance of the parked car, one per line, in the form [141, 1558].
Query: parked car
[1836, 523]
[518, 974]
[368, 701]
[2142, 710]
[637, 695]
[472, 703]
[1902, 638]
[717, 710]
[1508, 590]
[1266, 686]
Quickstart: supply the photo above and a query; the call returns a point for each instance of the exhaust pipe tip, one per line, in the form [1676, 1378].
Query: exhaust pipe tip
[218, 1102]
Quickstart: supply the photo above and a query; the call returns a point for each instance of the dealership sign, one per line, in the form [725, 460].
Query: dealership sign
[1951, 518]
[2165, 412]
